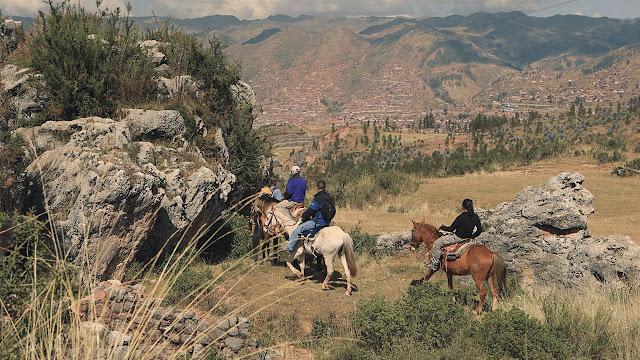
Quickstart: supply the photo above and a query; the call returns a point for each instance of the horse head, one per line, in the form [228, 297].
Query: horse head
[423, 233]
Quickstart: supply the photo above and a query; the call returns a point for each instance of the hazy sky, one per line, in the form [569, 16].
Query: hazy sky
[258, 9]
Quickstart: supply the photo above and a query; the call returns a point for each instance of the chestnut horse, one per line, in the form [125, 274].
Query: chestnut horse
[482, 263]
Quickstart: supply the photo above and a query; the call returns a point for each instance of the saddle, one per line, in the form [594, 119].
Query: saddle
[309, 237]
[454, 251]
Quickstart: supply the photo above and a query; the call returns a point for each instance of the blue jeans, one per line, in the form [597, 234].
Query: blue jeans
[295, 235]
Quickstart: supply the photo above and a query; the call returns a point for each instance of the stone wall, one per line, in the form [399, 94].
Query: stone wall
[125, 316]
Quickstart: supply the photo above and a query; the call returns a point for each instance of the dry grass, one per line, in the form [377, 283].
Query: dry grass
[438, 200]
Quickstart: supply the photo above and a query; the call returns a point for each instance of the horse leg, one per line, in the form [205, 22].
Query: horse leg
[329, 263]
[428, 274]
[345, 266]
[301, 260]
[292, 257]
[494, 292]
[450, 283]
[481, 291]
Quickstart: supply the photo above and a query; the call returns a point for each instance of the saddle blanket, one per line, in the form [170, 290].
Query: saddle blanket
[454, 251]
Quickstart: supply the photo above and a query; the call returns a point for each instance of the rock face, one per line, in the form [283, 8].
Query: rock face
[11, 33]
[117, 199]
[23, 92]
[544, 239]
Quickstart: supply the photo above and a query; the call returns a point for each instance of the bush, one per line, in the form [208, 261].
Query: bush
[515, 334]
[365, 243]
[12, 164]
[241, 243]
[425, 315]
[187, 284]
[91, 61]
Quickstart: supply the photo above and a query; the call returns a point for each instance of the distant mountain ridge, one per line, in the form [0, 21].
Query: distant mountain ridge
[422, 63]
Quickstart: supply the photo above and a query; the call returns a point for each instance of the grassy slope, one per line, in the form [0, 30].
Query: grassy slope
[438, 200]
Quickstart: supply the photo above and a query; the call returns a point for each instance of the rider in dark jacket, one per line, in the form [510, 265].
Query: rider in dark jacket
[312, 218]
[462, 227]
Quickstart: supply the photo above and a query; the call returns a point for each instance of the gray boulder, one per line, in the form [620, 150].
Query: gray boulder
[23, 91]
[543, 237]
[394, 240]
[152, 47]
[11, 33]
[169, 88]
[244, 94]
[114, 198]
[154, 125]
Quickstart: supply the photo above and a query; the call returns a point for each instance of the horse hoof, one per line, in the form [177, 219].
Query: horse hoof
[348, 293]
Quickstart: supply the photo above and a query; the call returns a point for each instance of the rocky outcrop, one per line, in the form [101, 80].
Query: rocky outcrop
[23, 93]
[170, 88]
[152, 47]
[124, 318]
[544, 239]
[11, 33]
[116, 198]
[244, 94]
[151, 124]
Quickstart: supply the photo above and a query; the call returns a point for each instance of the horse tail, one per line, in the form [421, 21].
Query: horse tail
[499, 273]
[349, 253]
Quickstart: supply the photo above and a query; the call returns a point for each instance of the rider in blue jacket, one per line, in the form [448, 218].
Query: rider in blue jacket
[312, 218]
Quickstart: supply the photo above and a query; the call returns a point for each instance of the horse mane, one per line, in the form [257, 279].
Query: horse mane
[430, 227]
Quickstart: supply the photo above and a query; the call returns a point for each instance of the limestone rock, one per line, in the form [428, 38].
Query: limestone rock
[24, 92]
[152, 48]
[394, 240]
[11, 33]
[154, 125]
[113, 204]
[544, 239]
[169, 88]
[244, 94]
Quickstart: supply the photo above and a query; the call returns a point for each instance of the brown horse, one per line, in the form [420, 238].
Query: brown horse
[264, 227]
[477, 260]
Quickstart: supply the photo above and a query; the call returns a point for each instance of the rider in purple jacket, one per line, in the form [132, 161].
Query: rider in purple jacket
[296, 186]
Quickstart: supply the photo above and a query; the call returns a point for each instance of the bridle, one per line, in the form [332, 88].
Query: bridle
[269, 227]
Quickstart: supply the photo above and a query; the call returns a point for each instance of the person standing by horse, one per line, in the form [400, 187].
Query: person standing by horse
[462, 228]
[316, 217]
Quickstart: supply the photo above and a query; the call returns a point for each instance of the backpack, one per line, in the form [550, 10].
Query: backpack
[328, 210]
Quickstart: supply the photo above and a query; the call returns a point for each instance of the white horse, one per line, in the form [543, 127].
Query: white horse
[329, 242]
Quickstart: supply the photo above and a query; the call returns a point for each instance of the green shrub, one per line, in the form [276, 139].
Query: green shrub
[12, 164]
[365, 243]
[241, 243]
[633, 164]
[379, 323]
[515, 334]
[186, 284]
[91, 61]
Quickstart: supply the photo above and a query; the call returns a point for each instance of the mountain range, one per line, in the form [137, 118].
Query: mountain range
[318, 65]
